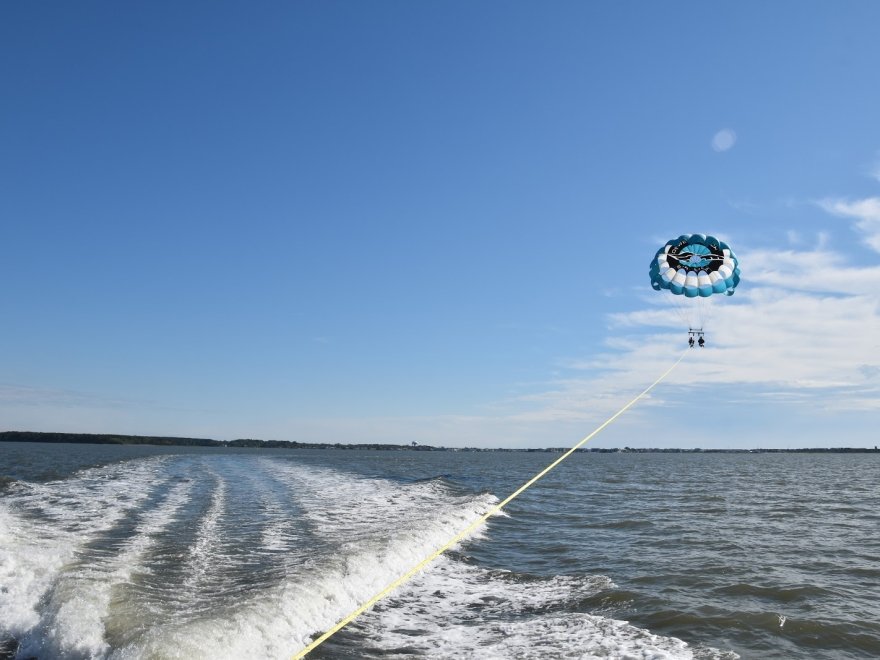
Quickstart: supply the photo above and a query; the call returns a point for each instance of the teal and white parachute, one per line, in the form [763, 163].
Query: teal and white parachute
[695, 266]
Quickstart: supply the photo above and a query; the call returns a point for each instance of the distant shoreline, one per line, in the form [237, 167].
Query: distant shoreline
[171, 441]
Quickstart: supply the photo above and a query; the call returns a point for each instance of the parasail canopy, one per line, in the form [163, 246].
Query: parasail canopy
[695, 265]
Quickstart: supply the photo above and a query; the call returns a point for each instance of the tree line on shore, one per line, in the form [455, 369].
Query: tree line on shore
[114, 439]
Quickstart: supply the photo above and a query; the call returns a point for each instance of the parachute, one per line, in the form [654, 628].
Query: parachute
[691, 269]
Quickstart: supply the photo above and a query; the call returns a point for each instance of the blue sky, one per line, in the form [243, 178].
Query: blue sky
[432, 222]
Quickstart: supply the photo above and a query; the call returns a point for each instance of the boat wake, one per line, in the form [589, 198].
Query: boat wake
[228, 556]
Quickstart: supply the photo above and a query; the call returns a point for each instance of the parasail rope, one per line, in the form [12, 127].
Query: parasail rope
[470, 528]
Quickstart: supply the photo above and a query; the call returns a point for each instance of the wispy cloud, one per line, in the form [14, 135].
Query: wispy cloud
[40, 396]
[53, 409]
[874, 170]
[815, 271]
[866, 212]
[766, 206]
[746, 206]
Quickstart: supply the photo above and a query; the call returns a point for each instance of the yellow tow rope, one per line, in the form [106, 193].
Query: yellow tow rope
[470, 528]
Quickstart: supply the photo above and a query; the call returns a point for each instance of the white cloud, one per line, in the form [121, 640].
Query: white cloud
[746, 206]
[874, 170]
[866, 212]
[39, 396]
[817, 271]
[723, 140]
[45, 409]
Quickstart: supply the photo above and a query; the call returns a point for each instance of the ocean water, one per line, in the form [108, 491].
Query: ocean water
[150, 552]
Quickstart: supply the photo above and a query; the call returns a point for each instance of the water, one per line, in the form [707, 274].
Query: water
[156, 552]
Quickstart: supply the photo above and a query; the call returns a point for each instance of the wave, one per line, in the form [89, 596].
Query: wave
[465, 611]
[244, 556]
[47, 526]
[776, 593]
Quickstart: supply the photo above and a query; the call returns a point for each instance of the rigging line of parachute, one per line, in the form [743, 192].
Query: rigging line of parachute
[692, 269]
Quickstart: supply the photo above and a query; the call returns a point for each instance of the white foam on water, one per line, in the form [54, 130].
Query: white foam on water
[345, 507]
[34, 551]
[278, 531]
[462, 611]
[29, 560]
[352, 537]
[73, 621]
[380, 529]
[276, 534]
[202, 552]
